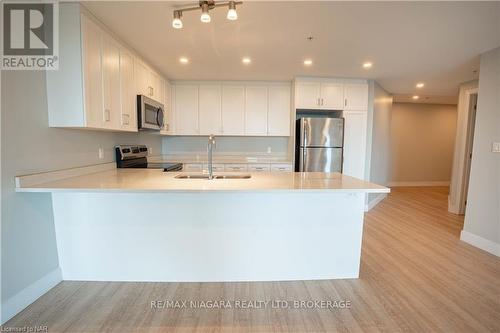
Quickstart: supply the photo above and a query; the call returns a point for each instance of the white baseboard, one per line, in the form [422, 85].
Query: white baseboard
[419, 183]
[28, 295]
[480, 242]
[375, 201]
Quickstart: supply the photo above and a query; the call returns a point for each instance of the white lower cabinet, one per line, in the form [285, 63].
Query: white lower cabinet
[286, 167]
[192, 167]
[355, 143]
[234, 167]
[259, 167]
[216, 167]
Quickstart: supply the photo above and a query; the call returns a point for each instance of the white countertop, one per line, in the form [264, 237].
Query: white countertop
[155, 180]
[202, 158]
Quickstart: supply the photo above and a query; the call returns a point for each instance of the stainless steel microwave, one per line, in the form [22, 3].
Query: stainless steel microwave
[150, 113]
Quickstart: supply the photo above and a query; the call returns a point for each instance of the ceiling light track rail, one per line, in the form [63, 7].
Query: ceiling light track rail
[205, 6]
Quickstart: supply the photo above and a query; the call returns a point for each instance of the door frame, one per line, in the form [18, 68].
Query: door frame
[456, 199]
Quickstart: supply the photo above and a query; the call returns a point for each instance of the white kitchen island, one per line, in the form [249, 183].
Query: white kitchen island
[146, 225]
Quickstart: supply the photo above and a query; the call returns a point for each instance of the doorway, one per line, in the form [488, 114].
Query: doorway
[471, 124]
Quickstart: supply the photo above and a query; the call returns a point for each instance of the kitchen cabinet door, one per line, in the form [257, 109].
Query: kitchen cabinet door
[168, 121]
[92, 72]
[111, 83]
[356, 97]
[128, 119]
[141, 78]
[307, 95]
[210, 109]
[186, 110]
[332, 96]
[279, 111]
[355, 143]
[256, 110]
[233, 110]
[155, 86]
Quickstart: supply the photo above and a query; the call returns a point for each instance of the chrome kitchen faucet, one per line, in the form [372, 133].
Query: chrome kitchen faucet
[210, 148]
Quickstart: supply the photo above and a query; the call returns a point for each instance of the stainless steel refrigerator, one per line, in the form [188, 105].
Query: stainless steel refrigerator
[319, 144]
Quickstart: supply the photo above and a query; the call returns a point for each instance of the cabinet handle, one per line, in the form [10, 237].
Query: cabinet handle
[107, 115]
[345, 102]
[322, 102]
[318, 102]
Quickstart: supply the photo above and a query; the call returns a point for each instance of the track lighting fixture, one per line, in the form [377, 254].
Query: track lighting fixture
[206, 6]
[177, 22]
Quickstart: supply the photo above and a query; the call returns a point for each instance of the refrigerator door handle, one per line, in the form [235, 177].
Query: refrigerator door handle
[304, 160]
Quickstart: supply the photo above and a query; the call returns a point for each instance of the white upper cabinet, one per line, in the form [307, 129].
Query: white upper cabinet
[98, 77]
[233, 110]
[279, 111]
[186, 109]
[111, 83]
[332, 96]
[355, 96]
[307, 95]
[128, 94]
[256, 110]
[92, 78]
[210, 109]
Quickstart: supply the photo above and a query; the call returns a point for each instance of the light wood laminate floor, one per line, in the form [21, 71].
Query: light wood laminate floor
[416, 276]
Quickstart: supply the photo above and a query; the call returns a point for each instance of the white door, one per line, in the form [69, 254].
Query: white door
[233, 110]
[355, 143]
[332, 96]
[356, 96]
[92, 46]
[186, 110]
[307, 95]
[279, 111]
[256, 110]
[111, 83]
[210, 109]
[128, 119]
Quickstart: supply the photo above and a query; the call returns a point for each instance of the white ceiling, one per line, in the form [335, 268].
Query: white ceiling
[438, 43]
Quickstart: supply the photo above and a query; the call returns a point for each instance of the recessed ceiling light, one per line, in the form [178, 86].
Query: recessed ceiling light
[415, 97]
[183, 60]
[420, 85]
[246, 60]
[367, 65]
[308, 62]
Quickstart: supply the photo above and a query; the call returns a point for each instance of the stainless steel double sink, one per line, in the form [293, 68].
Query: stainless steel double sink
[205, 176]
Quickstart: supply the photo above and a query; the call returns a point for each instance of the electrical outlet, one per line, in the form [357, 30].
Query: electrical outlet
[269, 150]
[101, 153]
[150, 151]
[495, 147]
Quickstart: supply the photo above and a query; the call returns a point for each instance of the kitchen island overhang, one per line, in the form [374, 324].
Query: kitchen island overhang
[145, 225]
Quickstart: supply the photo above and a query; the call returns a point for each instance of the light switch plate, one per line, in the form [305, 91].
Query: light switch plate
[495, 147]
[101, 153]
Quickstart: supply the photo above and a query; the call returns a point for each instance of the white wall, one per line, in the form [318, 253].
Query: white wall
[422, 141]
[29, 256]
[380, 156]
[237, 144]
[482, 215]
